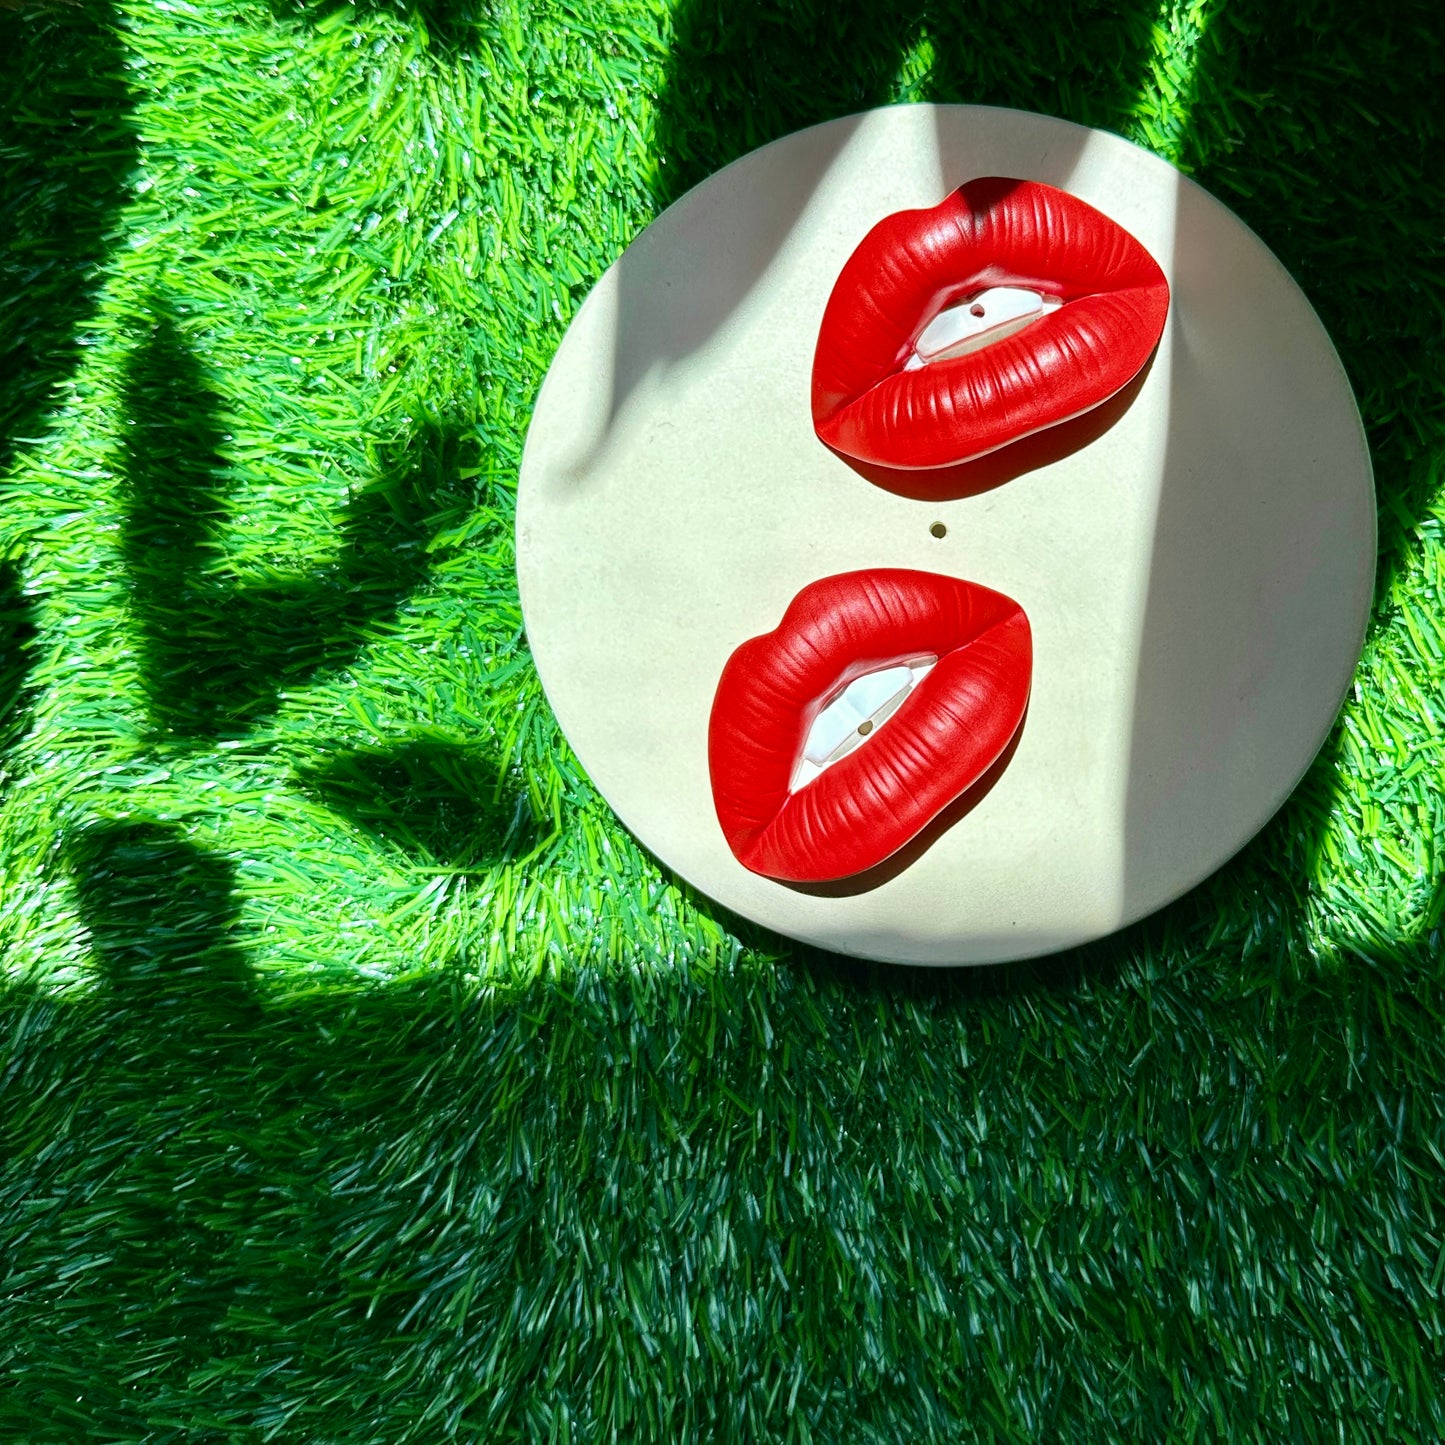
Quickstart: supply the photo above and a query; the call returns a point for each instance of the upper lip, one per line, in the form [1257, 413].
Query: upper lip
[914, 264]
[943, 737]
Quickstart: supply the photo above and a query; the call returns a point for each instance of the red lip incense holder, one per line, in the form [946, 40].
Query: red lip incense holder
[1009, 307]
[877, 700]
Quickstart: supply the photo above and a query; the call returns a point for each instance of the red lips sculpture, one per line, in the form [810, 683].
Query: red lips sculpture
[882, 696]
[923, 745]
[1101, 302]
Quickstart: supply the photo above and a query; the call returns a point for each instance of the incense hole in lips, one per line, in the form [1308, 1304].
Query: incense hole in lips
[983, 320]
[854, 712]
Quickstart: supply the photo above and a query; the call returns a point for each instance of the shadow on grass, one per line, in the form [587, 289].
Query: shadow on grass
[161, 915]
[446, 23]
[439, 799]
[67, 147]
[216, 653]
[17, 645]
[236, 1175]
[221, 1206]
[227, 1144]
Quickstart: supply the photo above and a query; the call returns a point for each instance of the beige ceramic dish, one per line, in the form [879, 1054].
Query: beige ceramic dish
[1198, 575]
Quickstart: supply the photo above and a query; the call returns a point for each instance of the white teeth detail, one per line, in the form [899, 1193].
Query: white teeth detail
[855, 713]
[979, 321]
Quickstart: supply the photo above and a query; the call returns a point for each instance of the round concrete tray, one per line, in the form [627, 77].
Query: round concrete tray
[1197, 565]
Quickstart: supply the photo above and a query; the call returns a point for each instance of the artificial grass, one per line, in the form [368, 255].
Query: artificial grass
[362, 1080]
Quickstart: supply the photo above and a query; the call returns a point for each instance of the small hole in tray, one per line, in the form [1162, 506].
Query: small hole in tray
[938, 530]
[865, 727]
[976, 309]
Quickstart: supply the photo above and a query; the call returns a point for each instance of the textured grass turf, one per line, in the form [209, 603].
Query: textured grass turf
[361, 1080]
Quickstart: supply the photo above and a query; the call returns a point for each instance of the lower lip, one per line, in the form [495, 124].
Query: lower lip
[944, 735]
